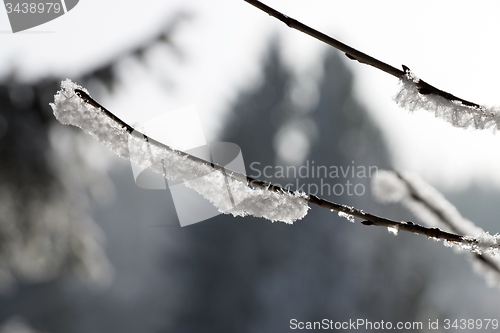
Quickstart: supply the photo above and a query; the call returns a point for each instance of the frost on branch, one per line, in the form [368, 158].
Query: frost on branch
[454, 112]
[423, 200]
[348, 217]
[244, 200]
[434, 210]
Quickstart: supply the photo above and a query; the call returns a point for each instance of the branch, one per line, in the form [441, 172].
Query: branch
[69, 109]
[423, 87]
[450, 223]
[432, 208]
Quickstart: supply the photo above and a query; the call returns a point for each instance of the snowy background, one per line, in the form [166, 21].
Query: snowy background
[121, 261]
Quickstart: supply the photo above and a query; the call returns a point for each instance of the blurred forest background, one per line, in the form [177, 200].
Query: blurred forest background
[86, 250]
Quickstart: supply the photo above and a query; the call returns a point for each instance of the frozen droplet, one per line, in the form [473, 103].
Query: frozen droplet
[350, 218]
[393, 230]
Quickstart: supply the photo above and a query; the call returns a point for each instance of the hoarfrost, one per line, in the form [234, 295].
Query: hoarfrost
[350, 218]
[486, 243]
[388, 189]
[393, 231]
[423, 200]
[454, 112]
[435, 211]
[70, 109]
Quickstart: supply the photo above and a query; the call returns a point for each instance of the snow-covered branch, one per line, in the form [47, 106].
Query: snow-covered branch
[415, 93]
[456, 112]
[434, 210]
[73, 105]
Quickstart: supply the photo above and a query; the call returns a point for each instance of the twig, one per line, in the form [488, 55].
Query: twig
[368, 219]
[415, 195]
[423, 87]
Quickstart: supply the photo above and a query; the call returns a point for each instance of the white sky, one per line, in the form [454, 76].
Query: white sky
[453, 45]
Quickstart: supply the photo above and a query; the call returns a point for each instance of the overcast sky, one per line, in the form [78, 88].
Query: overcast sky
[450, 44]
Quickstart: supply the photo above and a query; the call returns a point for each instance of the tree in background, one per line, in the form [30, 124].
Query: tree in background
[250, 275]
[236, 274]
[49, 237]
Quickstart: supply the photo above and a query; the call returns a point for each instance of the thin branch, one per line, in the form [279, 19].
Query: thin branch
[441, 215]
[368, 219]
[423, 87]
